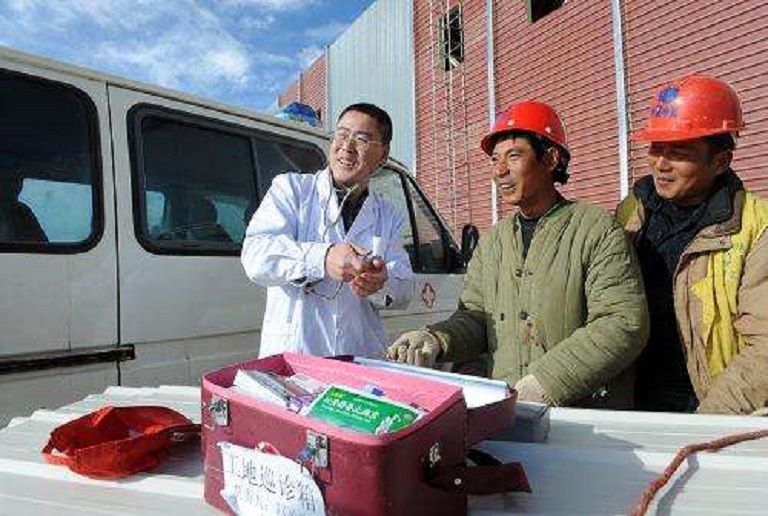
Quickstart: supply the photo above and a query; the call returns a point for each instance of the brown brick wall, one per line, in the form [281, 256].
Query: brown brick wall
[313, 87]
[451, 117]
[553, 60]
[725, 39]
[566, 60]
[291, 94]
[309, 88]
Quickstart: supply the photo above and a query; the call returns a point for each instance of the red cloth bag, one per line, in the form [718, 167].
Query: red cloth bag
[116, 442]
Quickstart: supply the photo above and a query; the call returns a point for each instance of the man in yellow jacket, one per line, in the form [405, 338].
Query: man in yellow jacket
[701, 241]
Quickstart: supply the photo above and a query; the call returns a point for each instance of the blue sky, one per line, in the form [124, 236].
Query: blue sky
[242, 52]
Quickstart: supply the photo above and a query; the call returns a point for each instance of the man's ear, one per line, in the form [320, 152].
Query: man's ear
[552, 158]
[722, 161]
[385, 156]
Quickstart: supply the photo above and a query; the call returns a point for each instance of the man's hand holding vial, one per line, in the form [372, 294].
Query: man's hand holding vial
[353, 264]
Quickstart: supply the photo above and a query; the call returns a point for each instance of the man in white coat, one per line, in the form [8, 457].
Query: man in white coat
[329, 250]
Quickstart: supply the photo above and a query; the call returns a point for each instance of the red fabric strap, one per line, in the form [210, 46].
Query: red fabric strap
[116, 442]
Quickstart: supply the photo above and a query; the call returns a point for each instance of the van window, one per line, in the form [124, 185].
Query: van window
[277, 157]
[388, 184]
[49, 167]
[421, 234]
[185, 172]
[429, 235]
[199, 181]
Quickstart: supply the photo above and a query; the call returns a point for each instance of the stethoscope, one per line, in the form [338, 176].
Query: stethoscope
[331, 222]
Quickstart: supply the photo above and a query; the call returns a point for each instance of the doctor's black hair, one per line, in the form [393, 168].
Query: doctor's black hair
[382, 118]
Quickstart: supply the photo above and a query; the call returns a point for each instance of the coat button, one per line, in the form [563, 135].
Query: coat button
[524, 315]
[518, 272]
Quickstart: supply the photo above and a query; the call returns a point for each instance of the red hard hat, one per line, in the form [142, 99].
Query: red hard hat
[691, 107]
[530, 116]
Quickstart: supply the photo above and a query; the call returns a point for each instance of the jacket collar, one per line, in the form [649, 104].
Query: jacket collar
[722, 210]
[553, 213]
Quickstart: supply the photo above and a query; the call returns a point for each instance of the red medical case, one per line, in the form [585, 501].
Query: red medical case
[421, 469]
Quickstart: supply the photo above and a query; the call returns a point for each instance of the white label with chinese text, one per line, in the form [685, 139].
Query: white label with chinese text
[257, 483]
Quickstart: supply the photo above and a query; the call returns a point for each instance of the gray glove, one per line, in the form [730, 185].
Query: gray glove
[417, 347]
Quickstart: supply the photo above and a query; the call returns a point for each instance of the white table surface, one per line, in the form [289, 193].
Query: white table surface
[594, 462]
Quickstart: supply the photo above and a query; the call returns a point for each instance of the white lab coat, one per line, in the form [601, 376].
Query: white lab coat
[282, 251]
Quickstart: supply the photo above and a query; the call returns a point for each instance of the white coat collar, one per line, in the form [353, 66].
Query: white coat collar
[365, 219]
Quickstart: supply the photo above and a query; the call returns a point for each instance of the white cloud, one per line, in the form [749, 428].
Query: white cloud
[177, 44]
[112, 15]
[307, 55]
[274, 5]
[327, 32]
[258, 23]
[244, 51]
[177, 60]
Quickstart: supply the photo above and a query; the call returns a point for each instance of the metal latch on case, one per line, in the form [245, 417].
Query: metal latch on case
[315, 451]
[219, 409]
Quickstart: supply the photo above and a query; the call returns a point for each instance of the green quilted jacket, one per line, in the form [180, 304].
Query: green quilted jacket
[573, 313]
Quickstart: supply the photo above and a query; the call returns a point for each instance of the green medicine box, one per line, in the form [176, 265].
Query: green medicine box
[356, 410]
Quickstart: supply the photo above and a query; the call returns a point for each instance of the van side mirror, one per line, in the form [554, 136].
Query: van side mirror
[469, 238]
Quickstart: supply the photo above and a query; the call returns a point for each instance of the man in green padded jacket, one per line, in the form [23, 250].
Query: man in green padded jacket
[553, 295]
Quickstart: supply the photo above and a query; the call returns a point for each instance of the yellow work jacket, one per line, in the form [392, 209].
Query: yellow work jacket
[720, 289]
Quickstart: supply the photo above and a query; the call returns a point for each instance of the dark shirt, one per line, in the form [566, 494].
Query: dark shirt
[663, 383]
[351, 207]
[528, 225]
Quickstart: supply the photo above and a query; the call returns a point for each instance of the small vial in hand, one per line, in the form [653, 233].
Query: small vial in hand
[377, 262]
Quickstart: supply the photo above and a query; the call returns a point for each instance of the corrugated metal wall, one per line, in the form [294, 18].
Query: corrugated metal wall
[451, 116]
[722, 38]
[566, 60]
[373, 62]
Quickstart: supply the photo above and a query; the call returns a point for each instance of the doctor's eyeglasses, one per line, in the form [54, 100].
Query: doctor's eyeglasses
[362, 140]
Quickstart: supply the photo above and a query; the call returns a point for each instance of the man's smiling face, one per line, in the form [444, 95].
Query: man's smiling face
[356, 150]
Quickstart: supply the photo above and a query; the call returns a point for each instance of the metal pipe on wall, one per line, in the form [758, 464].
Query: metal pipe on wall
[491, 96]
[621, 98]
[327, 115]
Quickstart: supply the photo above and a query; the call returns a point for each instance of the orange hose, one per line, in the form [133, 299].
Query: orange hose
[655, 485]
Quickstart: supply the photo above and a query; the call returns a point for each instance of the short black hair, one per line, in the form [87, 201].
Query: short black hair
[720, 142]
[382, 118]
[541, 146]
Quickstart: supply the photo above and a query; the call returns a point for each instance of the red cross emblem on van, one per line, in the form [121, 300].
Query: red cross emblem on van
[428, 295]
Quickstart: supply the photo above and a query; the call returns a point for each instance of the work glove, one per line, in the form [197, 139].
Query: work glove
[529, 389]
[418, 347]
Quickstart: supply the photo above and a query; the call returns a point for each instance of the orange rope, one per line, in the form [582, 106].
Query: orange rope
[682, 454]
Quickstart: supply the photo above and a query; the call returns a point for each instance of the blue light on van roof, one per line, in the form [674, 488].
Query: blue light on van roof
[298, 112]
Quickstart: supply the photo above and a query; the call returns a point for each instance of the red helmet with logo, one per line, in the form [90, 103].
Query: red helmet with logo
[530, 116]
[690, 107]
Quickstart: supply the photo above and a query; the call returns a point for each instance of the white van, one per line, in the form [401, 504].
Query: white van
[122, 211]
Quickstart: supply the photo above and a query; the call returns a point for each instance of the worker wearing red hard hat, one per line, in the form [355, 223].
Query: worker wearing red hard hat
[553, 295]
[703, 252]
